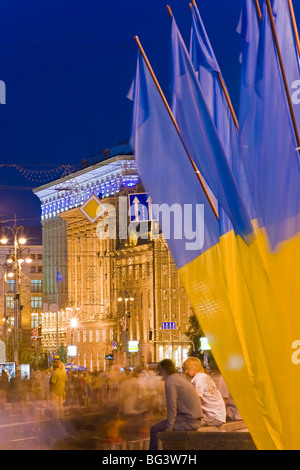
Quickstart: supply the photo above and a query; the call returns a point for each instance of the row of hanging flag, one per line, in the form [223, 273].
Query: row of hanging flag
[243, 280]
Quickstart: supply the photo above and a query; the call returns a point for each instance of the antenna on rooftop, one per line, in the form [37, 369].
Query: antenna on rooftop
[67, 183]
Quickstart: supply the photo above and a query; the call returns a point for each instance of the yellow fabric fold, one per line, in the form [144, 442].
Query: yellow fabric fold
[246, 302]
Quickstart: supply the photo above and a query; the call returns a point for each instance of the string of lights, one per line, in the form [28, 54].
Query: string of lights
[46, 173]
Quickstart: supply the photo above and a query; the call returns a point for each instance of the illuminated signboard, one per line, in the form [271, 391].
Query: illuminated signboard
[133, 346]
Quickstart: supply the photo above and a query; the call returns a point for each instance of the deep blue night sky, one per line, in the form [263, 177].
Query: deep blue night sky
[68, 65]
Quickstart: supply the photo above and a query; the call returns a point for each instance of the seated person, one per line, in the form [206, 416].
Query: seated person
[184, 411]
[213, 405]
[232, 413]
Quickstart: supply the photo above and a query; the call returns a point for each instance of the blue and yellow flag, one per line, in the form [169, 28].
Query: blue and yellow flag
[59, 277]
[248, 28]
[169, 177]
[166, 171]
[205, 62]
[218, 102]
[246, 296]
[289, 50]
[239, 264]
[262, 279]
[276, 158]
[201, 137]
[269, 133]
[249, 31]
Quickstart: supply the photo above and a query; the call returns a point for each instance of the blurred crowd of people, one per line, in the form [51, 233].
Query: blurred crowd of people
[128, 400]
[131, 392]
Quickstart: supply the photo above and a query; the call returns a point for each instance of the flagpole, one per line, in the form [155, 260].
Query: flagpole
[286, 86]
[57, 319]
[221, 80]
[294, 25]
[175, 125]
[258, 10]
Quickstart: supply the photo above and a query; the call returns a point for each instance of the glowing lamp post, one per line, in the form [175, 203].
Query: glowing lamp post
[205, 347]
[72, 349]
[126, 300]
[16, 259]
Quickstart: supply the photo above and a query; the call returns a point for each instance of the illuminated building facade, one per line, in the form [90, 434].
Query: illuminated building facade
[89, 276]
[58, 199]
[147, 274]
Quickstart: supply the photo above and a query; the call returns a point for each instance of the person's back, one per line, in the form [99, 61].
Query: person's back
[58, 381]
[57, 389]
[182, 401]
[184, 412]
[212, 401]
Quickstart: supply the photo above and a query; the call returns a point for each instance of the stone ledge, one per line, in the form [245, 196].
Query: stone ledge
[210, 438]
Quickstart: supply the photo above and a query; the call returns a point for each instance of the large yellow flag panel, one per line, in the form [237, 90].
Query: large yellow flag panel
[204, 282]
[246, 300]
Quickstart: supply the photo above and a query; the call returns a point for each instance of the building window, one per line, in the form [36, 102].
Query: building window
[36, 320]
[36, 285]
[84, 336]
[90, 336]
[36, 302]
[11, 285]
[10, 302]
[160, 353]
[97, 336]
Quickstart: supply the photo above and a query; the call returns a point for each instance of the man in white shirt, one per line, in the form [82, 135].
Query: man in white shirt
[213, 405]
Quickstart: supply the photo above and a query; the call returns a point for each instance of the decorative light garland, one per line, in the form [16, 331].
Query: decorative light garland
[39, 176]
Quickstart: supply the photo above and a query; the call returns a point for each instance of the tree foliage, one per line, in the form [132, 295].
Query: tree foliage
[194, 333]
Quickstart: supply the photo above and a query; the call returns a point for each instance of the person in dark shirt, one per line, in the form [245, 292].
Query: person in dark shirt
[184, 411]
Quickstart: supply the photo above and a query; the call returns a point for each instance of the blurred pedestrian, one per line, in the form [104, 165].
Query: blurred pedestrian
[232, 413]
[57, 388]
[184, 411]
[3, 388]
[82, 389]
[15, 388]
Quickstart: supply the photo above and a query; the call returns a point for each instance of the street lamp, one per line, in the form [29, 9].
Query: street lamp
[126, 300]
[22, 240]
[3, 239]
[205, 347]
[73, 324]
[6, 274]
[16, 259]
